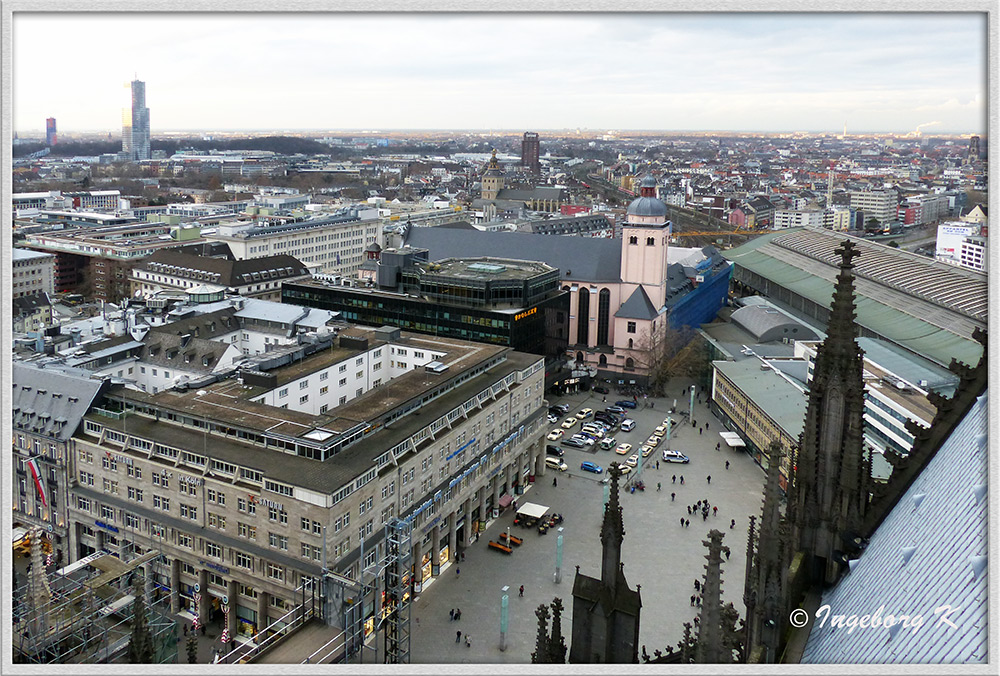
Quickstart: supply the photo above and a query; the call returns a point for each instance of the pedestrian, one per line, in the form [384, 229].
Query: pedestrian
[727, 464]
[727, 555]
[468, 641]
[682, 479]
[706, 426]
[689, 509]
[672, 496]
[718, 445]
[682, 520]
[657, 486]
[458, 636]
[520, 592]
[657, 464]
[697, 585]
[605, 399]
[700, 430]
[687, 523]
[451, 614]
[458, 613]
[692, 599]
[699, 504]
[698, 600]
[715, 511]
[554, 482]
[704, 516]
[732, 524]
[203, 629]
[709, 477]
[458, 571]
[463, 553]
[694, 423]
[673, 479]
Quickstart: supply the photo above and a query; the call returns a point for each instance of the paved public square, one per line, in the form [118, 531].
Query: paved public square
[659, 554]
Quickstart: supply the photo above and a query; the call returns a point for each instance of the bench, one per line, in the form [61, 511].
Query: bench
[503, 548]
[511, 540]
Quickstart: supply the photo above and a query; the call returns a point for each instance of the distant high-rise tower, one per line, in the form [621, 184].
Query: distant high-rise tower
[50, 131]
[974, 148]
[135, 124]
[529, 152]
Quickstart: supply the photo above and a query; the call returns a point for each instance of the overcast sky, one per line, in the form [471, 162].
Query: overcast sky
[766, 72]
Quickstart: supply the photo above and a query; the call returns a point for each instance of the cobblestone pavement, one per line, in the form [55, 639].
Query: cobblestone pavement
[659, 554]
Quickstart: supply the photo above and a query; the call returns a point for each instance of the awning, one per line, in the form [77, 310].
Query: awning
[506, 499]
[732, 438]
[531, 509]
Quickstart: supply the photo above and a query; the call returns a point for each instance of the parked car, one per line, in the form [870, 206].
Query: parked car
[607, 419]
[607, 443]
[586, 439]
[589, 466]
[626, 403]
[675, 456]
[554, 450]
[556, 463]
[600, 389]
[554, 435]
[646, 450]
[625, 469]
[653, 440]
[585, 413]
[553, 418]
[633, 460]
[556, 410]
[623, 448]
[628, 425]
[594, 431]
[660, 431]
[573, 442]
[568, 423]
[617, 410]
[562, 408]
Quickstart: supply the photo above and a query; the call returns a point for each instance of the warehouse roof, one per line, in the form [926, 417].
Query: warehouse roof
[782, 401]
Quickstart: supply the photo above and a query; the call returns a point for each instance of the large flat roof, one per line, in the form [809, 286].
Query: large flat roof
[782, 401]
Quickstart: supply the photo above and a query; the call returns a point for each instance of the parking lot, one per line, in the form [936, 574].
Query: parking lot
[659, 554]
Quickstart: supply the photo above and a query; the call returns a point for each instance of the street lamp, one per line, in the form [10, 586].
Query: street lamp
[503, 618]
[559, 541]
[691, 404]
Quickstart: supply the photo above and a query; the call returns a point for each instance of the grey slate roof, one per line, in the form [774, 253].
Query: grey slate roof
[48, 402]
[589, 259]
[647, 206]
[931, 550]
[638, 306]
[231, 272]
[25, 305]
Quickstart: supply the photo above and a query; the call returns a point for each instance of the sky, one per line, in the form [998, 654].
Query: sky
[654, 71]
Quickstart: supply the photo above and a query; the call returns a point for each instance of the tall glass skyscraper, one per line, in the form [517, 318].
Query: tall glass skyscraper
[135, 124]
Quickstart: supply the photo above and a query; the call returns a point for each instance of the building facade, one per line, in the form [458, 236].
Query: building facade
[31, 272]
[50, 131]
[252, 511]
[877, 204]
[529, 152]
[135, 124]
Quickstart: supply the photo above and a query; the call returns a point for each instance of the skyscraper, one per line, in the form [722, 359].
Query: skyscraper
[529, 151]
[135, 124]
[50, 131]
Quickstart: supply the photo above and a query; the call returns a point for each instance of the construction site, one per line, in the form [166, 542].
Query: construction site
[83, 613]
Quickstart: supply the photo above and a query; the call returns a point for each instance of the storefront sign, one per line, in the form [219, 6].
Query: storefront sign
[101, 524]
[271, 503]
[527, 313]
[215, 566]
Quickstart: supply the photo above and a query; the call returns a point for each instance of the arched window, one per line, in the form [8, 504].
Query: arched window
[650, 241]
[583, 317]
[603, 361]
[630, 343]
[579, 358]
[603, 315]
[629, 363]
[633, 240]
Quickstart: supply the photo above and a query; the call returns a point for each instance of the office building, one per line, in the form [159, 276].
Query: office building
[135, 124]
[249, 493]
[500, 301]
[50, 131]
[877, 204]
[529, 152]
[31, 272]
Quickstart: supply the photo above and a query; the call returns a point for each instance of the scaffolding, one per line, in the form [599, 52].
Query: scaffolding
[82, 614]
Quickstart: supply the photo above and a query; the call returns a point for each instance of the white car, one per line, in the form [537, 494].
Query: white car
[585, 413]
[595, 430]
[556, 463]
[623, 448]
[568, 423]
[607, 443]
[653, 440]
[553, 418]
[675, 456]
[633, 460]
[554, 435]
[628, 425]
[583, 438]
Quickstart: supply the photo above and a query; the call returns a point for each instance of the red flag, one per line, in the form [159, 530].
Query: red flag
[37, 475]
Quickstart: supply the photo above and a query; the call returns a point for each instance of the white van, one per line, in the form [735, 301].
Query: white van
[628, 425]
[556, 463]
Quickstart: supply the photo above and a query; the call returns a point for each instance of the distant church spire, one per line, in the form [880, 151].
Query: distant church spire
[832, 476]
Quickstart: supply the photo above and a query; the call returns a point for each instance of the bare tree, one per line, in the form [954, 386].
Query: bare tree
[656, 354]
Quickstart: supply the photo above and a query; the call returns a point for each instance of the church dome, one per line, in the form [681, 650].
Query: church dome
[647, 204]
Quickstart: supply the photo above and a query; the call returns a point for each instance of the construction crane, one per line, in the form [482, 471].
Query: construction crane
[711, 233]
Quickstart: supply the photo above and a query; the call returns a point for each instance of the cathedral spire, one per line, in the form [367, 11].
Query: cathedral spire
[831, 487]
[612, 532]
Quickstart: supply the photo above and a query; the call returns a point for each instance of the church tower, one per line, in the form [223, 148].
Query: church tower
[492, 179]
[645, 241]
[832, 477]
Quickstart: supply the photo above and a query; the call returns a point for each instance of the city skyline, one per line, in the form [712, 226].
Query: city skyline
[625, 71]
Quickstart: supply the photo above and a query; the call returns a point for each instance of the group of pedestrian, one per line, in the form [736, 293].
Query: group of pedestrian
[455, 613]
[468, 638]
[685, 522]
